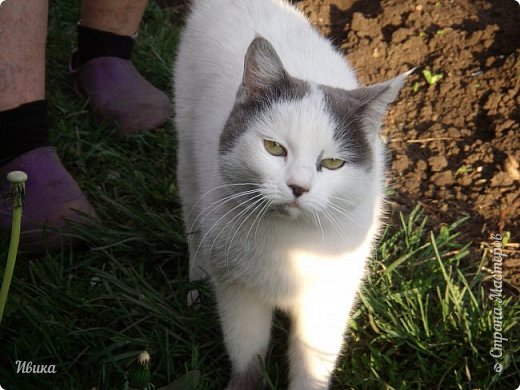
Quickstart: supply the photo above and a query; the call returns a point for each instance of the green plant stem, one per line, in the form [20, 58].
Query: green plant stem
[11, 258]
[17, 191]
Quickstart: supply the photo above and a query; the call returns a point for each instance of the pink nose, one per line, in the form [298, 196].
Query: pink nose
[297, 190]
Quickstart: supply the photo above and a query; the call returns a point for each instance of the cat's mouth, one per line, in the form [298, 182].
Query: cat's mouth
[293, 203]
[290, 209]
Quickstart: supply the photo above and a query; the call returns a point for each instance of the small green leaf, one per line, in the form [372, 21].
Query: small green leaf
[427, 75]
[436, 77]
[430, 77]
[506, 237]
[463, 170]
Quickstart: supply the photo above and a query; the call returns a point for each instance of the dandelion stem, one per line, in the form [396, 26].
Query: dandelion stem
[17, 180]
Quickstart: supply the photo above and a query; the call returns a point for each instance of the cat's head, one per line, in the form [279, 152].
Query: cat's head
[307, 149]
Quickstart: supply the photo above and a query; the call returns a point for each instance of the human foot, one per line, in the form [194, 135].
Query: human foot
[52, 199]
[118, 93]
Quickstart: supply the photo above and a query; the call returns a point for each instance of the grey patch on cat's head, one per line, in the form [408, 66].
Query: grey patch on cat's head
[349, 128]
[358, 114]
[265, 82]
[263, 68]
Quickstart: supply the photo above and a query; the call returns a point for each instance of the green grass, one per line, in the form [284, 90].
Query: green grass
[424, 320]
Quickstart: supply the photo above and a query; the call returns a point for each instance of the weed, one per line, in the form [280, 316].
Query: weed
[416, 86]
[431, 78]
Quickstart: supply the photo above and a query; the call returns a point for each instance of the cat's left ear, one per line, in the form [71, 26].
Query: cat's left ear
[374, 100]
[263, 69]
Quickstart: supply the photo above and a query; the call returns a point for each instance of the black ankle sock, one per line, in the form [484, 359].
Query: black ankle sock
[22, 129]
[94, 43]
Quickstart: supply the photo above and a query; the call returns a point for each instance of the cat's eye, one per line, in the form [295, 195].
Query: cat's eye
[274, 148]
[332, 163]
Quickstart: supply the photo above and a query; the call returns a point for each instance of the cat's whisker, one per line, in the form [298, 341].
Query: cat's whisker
[220, 202]
[223, 186]
[333, 221]
[330, 216]
[222, 230]
[340, 208]
[244, 204]
[316, 216]
[226, 198]
[320, 209]
[346, 213]
[262, 207]
[221, 218]
[343, 212]
[214, 207]
[257, 204]
[343, 200]
[263, 212]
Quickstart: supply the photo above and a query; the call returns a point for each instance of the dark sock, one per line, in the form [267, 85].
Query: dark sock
[22, 129]
[94, 43]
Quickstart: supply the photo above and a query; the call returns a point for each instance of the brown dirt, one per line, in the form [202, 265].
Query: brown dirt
[455, 143]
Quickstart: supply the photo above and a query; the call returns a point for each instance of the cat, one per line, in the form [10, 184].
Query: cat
[281, 178]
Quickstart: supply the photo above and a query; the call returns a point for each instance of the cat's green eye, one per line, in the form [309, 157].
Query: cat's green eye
[332, 163]
[274, 148]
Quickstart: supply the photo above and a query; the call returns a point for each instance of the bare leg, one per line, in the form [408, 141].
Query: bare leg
[52, 194]
[114, 16]
[23, 32]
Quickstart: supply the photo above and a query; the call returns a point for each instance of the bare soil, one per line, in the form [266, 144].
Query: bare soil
[455, 142]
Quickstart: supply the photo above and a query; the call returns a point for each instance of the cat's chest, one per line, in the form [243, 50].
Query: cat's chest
[281, 264]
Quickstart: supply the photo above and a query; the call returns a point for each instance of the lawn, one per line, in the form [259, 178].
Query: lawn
[424, 318]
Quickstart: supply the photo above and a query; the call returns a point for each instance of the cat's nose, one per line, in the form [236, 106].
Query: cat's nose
[297, 190]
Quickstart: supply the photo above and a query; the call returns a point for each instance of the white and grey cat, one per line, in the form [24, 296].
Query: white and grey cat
[281, 174]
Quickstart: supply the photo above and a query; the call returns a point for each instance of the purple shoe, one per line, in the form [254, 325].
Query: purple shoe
[118, 93]
[52, 198]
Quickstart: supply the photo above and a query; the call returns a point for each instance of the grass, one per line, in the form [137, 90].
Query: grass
[424, 320]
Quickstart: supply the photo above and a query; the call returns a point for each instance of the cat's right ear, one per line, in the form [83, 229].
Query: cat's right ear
[263, 69]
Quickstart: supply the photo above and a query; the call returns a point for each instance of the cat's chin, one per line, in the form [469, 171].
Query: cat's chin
[290, 210]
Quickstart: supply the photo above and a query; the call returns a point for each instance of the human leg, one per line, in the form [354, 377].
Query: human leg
[110, 16]
[104, 71]
[52, 194]
[23, 32]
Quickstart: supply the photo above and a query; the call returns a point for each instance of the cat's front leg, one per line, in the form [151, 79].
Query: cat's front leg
[246, 324]
[319, 322]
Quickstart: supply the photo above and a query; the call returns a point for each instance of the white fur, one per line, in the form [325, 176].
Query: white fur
[311, 267]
